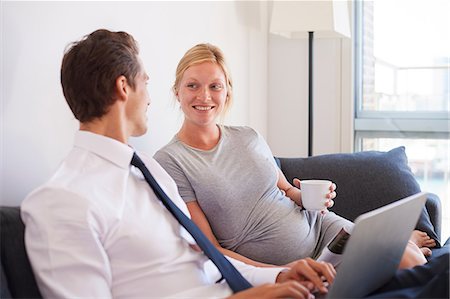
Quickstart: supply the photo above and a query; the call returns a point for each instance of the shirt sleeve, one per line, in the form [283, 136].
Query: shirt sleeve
[257, 275]
[63, 243]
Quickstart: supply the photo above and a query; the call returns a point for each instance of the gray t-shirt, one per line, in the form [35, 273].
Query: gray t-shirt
[235, 184]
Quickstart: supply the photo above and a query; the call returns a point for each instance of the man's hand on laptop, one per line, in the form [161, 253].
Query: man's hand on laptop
[304, 277]
[312, 274]
[288, 289]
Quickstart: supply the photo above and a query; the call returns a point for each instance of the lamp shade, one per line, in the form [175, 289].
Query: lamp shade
[294, 19]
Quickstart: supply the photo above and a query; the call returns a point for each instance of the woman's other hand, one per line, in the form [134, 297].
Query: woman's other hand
[330, 196]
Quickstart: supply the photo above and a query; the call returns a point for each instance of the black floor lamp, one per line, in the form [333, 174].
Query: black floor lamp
[310, 92]
[320, 19]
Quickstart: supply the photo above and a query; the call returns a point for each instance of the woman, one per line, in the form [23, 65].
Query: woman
[227, 175]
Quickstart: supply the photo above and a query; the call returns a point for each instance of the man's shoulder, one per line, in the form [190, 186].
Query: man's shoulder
[52, 200]
[81, 188]
[79, 178]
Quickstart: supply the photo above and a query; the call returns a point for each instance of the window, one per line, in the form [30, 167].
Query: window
[402, 87]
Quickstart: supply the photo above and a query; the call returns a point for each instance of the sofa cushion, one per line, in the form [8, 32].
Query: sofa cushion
[14, 260]
[365, 180]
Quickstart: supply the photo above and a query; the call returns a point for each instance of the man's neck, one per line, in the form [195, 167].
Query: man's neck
[102, 126]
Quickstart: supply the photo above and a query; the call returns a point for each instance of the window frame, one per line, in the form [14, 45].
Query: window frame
[386, 124]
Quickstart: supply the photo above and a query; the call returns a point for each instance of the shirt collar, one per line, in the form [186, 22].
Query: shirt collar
[108, 148]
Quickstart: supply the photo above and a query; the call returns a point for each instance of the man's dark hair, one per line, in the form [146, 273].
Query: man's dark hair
[90, 68]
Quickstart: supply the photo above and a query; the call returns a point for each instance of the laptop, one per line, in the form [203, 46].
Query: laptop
[376, 245]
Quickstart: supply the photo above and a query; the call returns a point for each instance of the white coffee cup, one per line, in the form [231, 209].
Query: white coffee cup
[314, 193]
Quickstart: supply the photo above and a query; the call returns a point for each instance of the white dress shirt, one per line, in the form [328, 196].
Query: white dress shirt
[96, 229]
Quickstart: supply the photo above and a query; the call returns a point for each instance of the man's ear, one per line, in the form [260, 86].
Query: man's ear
[122, 87]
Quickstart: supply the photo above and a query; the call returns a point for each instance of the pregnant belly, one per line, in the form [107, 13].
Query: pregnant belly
[291, 238]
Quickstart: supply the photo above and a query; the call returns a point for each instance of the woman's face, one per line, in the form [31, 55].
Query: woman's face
[202, 93]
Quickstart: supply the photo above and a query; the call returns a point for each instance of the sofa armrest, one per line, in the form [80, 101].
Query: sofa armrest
[434, 209]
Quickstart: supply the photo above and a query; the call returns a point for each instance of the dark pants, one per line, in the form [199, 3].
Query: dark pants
[428, 281]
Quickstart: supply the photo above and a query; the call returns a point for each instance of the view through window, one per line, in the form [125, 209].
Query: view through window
[402, 87]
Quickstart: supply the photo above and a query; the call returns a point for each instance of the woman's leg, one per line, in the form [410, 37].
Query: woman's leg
[330, 227]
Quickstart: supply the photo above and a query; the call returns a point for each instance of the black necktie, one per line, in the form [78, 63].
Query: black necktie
[234, 279]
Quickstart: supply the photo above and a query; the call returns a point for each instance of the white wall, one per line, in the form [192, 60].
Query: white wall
[333, 108]
[288, 96]
[269, 73]
[37, 126]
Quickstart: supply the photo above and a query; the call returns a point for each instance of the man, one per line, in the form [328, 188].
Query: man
[96, 228]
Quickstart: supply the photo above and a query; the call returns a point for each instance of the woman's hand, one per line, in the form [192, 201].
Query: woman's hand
[294, 193]
[330, 196]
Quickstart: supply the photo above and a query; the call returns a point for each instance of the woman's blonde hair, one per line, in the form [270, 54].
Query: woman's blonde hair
[205, 53]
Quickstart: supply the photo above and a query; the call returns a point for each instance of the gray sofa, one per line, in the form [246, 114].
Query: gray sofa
[365, 181]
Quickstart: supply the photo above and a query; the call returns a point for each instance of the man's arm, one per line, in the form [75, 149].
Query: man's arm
[308, 272]
[304, 276]
[63, 243]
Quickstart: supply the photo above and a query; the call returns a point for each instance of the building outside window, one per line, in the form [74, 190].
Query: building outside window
[402, 87]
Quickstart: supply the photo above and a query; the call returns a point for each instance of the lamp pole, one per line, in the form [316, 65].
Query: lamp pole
[310, 93]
